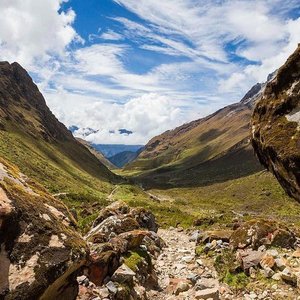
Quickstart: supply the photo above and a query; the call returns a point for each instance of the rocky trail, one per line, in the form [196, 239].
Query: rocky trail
[181, 275]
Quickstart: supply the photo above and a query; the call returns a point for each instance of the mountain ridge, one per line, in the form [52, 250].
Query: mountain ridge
[207, 141]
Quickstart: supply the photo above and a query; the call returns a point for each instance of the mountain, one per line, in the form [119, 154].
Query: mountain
[96, 153]
[109, 150]
[123, 158]
[41, 146]
[276, 126]
[212, 149]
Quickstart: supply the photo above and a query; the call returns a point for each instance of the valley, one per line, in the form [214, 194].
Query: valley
[192, 215]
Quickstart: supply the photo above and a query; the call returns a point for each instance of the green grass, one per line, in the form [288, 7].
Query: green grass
[134, 258]
[60, 167]
[256, 195]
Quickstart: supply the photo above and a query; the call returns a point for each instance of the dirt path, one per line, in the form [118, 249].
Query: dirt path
[111, 195]
[180, 273]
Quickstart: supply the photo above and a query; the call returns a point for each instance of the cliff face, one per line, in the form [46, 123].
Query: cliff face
[27, 125]
[276, 126]
[22, 103]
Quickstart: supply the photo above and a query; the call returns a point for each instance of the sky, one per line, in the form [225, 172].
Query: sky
[145, 66]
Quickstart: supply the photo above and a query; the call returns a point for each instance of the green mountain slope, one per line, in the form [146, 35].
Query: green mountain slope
[42, 147]
[212, 149]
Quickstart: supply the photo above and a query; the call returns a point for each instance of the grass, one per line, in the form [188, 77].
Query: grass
[134, 258]
[255, 195]
[60, 167]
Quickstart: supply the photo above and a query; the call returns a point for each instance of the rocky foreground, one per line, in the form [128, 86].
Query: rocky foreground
[125, 255]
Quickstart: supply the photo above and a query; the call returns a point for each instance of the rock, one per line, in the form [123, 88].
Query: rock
[267, 261]
[97, 238]
[145, 218]
[101, 265]
[119, 244]
[182, 286]
[273, 253]
[280, 263]
[116, 208]
[275, 126]
[288, 275]
[267, 272]
[134, 238]
[112, 287]
[208, 294]
[259, 232]
[195, 236]
[193, 278]
[206, 283]
[139, 293]
[276, 276]
[296, 253]
[223, 235]
[114, 224]
[41, 253]
[249, 258]
[123, 274]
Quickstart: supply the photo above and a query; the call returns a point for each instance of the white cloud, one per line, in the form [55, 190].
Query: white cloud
[145, 116]
[34, 30]
[111, 36]
[215, 51]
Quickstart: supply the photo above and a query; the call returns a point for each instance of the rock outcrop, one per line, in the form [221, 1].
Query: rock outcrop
[40, 251]
[276, 126]
[122, 242]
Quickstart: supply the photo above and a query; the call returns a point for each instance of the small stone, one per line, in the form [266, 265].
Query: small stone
[123, 274]
[276, 276]
[187, 259]
[288, 275]
[206, 283]
[182, 287]
[296, 253]
[199, 262]
[280, 264]
[207, 294]
[111, 287]
[193, 278]
[273, 253]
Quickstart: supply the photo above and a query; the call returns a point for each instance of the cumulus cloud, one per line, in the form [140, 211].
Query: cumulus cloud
[35, 30]
[199, 56]
[146, 116]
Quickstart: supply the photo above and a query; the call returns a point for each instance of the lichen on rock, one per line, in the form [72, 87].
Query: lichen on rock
[275, 126]
[40, 256]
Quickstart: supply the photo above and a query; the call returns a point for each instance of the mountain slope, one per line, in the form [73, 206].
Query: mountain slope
[41, 146]
[96, 153]
[212, 149]
[123, 158]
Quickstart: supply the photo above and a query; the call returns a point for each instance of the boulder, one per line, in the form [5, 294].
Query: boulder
[123, 274]
[40, 251]
[275, 126]
[102, 265]
[114, 224]
[116, 208]
[249, 258]
[222, 235]
[134, 238]
[145, 218]
[259, 232]
[208, 294]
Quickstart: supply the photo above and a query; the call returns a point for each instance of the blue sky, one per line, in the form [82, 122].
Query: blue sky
[147, 65]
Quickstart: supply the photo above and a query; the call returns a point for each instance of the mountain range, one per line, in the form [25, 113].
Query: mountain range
[41, 146]
[212, 149]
